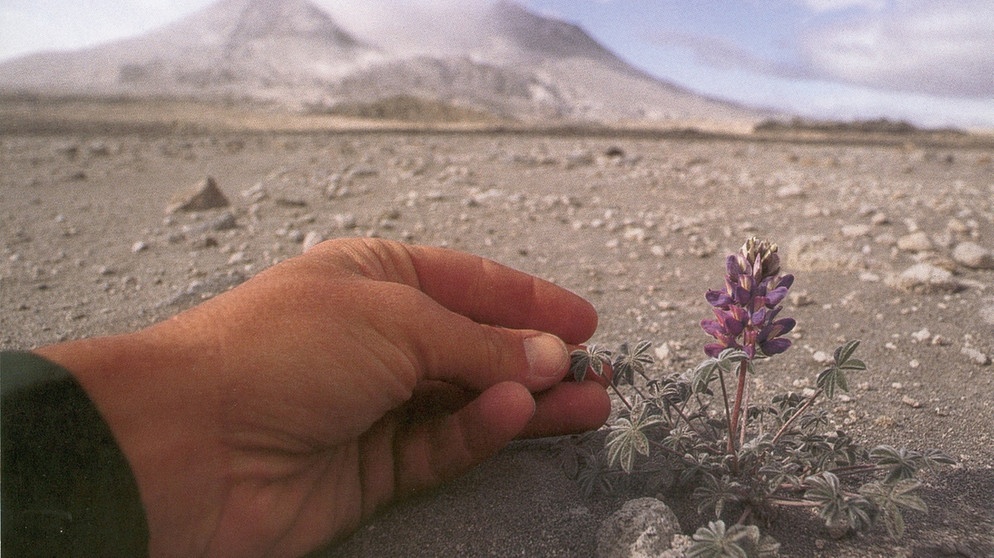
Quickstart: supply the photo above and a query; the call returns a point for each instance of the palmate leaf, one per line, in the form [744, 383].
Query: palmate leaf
[900, 463]
[627, 437]
[737, 541]
[707, 371]
[715, 493]
[891, 498]
[825, 490]
[834, 377]
[629, 362]
[590, 358]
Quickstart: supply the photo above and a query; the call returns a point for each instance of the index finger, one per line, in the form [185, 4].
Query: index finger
[491, 293]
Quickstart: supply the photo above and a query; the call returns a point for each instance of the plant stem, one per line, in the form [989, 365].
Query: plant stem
[745, 417]
[728, 413]
[620, 396]
[854, 469]
[795, 416]
[736, 411]
[793, 503]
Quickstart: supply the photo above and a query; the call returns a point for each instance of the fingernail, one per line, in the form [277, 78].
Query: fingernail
[547, 356]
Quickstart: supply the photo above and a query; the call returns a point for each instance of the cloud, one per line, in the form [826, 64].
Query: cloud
[938, 47]
[724, 54]
[821, 6]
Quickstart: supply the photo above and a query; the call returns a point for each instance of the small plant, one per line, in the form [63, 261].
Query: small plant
[744, 460]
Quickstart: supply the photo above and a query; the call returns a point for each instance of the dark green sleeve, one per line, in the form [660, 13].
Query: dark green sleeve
[67, 489]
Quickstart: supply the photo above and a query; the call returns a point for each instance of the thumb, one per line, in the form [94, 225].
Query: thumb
[475, 356]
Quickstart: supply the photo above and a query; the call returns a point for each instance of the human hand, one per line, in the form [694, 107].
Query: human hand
[274, 418]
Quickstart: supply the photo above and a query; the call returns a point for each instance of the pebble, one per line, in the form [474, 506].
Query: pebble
[975, 356]
[973, 255]
[139, 246]
[911, 402]
[915, 242]
[854, 231]
[312, 239]
[987, 314]
[921, 335]
[926, 278]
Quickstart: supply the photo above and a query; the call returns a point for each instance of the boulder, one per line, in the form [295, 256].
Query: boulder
[643, 527]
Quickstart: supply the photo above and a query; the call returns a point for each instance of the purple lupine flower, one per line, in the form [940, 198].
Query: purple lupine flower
[746, 311]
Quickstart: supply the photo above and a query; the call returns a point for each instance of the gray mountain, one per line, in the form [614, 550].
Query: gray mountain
[500, 58]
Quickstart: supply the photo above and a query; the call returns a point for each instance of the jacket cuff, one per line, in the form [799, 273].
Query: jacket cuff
[67, 489]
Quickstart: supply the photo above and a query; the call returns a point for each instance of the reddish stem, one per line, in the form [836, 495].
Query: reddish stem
[736, 411]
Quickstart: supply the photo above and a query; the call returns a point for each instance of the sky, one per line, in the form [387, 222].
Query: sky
[930, 62]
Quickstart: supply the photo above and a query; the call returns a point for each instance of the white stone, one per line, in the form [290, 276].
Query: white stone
[644, 527]
[975, 356]
[973, 255]
[312, 239]
[915, 242]
[926, 278]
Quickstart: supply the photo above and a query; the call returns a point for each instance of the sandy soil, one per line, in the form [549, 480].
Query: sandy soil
[638, 223]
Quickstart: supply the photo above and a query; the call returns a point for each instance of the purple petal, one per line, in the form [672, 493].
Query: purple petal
[776, 296]
[786, 281]
[713, 349]
[717, 298]
[775, 346]
[759, 316]
[742, 295]
[732, 268]
[712, 328]
[784, 326]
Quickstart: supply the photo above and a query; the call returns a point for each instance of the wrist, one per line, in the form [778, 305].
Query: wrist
[146, 387]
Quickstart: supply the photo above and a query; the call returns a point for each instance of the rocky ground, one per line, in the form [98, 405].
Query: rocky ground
[891, 243]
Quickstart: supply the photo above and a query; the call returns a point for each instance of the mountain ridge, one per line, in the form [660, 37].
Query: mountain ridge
[502, 59]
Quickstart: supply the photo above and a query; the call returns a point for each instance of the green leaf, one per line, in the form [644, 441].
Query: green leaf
[737, 541]
[845, 352]
[716, 493]
[900, 463]
[825, 490]
[891, 498]
[707, 371]
[592, 358]
[834, 377]
[627, 437]
[629, 362]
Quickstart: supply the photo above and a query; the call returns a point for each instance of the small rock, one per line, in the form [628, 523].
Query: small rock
[790, 191]
[973, 255]
[957, 226]
[987, 314]
[854, 231]
[345, 221]
[975, 356]
[915, 242]
[203, 195]
[139, 246]
[911, 402]
[926, 278]
[821, 357]
[921, 335]
[879, 219]
[643, 527]
[312, 239]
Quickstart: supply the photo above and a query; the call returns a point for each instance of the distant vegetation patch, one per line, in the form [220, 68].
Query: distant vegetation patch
[407, 108]
[879, 126]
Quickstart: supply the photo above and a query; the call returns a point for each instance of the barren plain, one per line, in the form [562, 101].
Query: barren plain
[890, 238]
